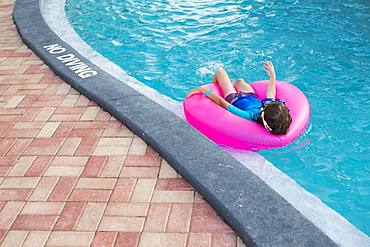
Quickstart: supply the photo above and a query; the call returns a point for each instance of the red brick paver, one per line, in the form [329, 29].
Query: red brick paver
[72, 175]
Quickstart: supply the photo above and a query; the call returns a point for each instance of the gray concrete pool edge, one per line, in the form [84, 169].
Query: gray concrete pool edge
[329, 221]
[284, 226]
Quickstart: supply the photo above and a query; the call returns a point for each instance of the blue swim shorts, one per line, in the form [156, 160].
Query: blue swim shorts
[244, 101]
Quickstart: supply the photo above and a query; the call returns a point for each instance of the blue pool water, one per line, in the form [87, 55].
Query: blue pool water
[322, 47]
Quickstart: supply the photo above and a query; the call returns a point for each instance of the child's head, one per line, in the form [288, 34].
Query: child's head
[275, 117]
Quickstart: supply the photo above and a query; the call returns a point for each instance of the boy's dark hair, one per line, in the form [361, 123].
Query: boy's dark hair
[277, 117]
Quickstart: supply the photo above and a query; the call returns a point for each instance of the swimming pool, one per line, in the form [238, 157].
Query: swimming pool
[322, 48]
[324, 53]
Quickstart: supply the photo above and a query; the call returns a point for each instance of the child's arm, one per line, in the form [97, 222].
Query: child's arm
[218, 100]
[271, 90]
[213, 96]
[229, 107]
[221, 102]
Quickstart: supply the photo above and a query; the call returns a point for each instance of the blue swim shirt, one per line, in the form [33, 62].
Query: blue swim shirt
[250, 107]
[247, 107]
[244, 114]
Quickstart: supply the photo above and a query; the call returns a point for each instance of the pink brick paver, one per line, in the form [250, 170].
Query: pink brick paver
[71, 174]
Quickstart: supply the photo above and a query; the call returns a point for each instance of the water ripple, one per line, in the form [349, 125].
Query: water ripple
[323, 47]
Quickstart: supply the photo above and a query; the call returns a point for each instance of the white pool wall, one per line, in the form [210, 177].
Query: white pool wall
[329, 221]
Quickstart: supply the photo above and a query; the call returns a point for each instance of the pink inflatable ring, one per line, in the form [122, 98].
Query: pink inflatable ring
[227, 129]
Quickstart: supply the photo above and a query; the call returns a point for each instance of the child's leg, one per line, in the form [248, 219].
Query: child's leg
[224, 81]
[241, 85]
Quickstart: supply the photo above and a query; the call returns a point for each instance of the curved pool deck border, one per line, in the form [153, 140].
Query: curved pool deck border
[256, 212]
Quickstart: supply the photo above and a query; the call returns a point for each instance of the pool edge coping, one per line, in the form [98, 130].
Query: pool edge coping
[61, 71]
[320, 214]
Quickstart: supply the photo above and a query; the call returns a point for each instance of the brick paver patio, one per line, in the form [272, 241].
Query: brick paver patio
[72, 175]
